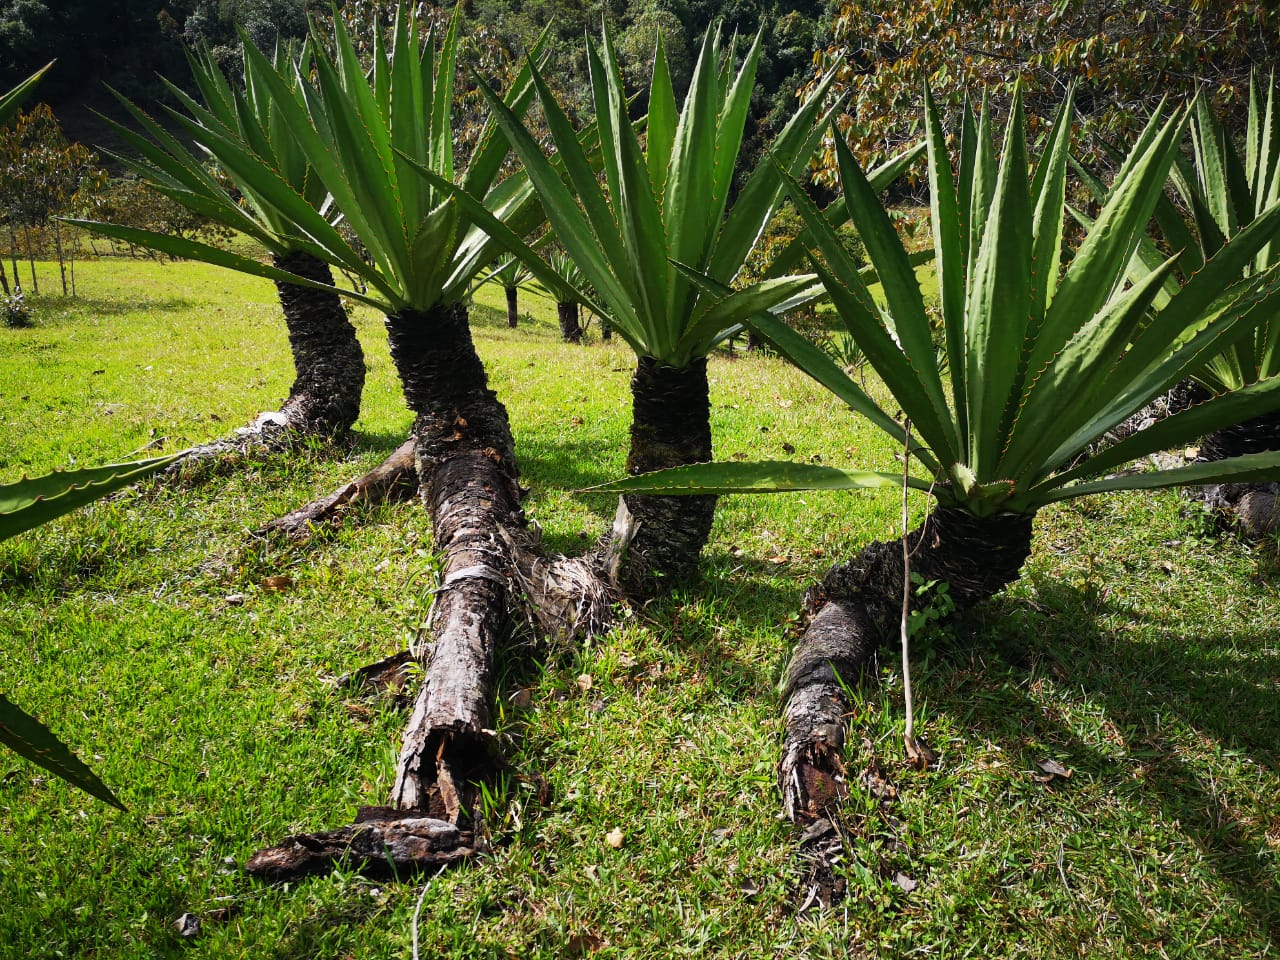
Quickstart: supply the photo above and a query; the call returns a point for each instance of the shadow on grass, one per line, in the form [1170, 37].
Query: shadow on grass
[1227, 699]
[92, 307]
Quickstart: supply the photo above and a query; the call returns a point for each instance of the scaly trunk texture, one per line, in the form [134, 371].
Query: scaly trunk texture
[570, 329]
[853, 611]
[670, 427]
[469, 484]
[468, 476]
[1255, 506]
[324, 400]
[325, 397]
[513, 314]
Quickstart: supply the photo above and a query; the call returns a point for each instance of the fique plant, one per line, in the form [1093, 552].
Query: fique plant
[1043, 361]
[244, 132]
[1225, 192]
[663, 205]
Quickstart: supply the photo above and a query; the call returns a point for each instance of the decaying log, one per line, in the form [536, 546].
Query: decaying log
[392, 481]
[853, 611]
[382, 842]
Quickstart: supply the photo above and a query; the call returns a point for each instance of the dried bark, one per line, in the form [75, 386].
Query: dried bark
[670, 427]
[567, 314]
[853, 611]
[382, 842]
[393, 480]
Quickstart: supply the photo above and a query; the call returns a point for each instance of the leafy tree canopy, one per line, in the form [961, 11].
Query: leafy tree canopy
[1124, 56]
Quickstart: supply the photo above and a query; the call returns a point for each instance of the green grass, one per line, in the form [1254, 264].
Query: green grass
[1139, 651]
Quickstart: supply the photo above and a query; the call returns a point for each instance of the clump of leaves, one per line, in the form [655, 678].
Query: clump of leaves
[14, 311]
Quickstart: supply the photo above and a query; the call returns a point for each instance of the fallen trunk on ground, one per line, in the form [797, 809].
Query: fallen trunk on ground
[852, 612]
[383, 840]
[469, 484]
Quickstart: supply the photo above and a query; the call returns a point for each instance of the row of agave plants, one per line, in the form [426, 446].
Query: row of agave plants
[338, 166]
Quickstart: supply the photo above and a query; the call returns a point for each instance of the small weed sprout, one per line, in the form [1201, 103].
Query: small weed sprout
[933, 605]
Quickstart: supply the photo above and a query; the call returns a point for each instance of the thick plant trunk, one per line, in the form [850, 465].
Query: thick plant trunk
[466, 466]
[1255, 506]
[328, 362]
[467, 470]
[513, 314]
[854, 610]
[671, 426]
[570, 328]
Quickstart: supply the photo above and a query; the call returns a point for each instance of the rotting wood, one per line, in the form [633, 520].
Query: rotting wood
[392, 481]
[382, 842]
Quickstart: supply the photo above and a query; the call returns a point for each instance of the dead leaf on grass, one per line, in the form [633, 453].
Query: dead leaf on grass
[905, 883]
[614, 838]
[1053, 770]
[582, 943]
[277, 584]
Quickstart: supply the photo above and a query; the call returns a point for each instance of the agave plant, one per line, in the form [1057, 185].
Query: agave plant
[1042, 362]
[570, 295]
[245, 133]
[10, 100]
[511, 274]
[25, 504]
[1225, 193]
[665, 201]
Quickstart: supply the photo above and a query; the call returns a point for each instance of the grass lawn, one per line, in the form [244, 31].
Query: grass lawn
[1139, 651]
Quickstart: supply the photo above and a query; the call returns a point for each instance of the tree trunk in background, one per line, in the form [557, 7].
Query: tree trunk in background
[62, 263]
[567, 313]
[4, 279]
[329, 364]
[853, 611]
[13, 256]
[606, 331]
[31, 259]
[513, 314]
[671, 427]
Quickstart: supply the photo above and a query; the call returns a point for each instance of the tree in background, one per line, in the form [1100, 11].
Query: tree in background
[41, 177]
[1123, 56]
